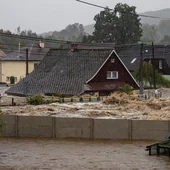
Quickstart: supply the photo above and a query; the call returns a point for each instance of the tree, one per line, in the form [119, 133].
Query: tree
[164, 28]
[150, 33]
[166, 39]
[73, 32]
[149, 72]
[122, 25]
[87, 39]
[18, 30]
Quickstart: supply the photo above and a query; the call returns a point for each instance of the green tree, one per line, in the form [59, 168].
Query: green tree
[126, 89]
[18, 30]
[73, 32]
[148, 76]
[166, 39]
[164, 28]
[87, 39]
[150, 33]
[122, 25]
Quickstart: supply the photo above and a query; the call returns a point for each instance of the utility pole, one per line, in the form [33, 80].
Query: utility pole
[26, 61]
[141, 70]
[153, 61]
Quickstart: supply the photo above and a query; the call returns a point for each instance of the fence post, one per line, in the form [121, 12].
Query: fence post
[63, 100]
[98, 98]
[13, 102]
[81, 99]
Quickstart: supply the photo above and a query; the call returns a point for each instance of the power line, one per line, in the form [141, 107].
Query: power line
[35, 38]
[94, 5]
[141, 15]
[124, 55]
[57, 41]
[29, 38]
[83, 45]
[62, 42]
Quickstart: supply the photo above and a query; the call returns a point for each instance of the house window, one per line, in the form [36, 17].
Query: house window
[112, 74]
[35, 65]
[160, 64]
[112, 60]
[8, 79]
[15, 79]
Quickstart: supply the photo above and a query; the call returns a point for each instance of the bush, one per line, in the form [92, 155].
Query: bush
[126, 89]
[36, 100]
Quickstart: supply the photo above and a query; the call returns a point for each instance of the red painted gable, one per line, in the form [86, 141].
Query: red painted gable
[100, 82]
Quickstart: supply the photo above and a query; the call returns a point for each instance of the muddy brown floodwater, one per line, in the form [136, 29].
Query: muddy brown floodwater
[28, 154]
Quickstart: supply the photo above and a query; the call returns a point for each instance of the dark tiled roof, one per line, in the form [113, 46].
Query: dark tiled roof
[128, 53]
[95, 46]
[35, 54]
[62, 72]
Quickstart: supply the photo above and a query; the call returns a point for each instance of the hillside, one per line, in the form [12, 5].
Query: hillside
[75, 31]
[164, 13]
[89, 29]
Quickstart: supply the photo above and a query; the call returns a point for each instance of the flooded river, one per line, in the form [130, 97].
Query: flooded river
[24, 154]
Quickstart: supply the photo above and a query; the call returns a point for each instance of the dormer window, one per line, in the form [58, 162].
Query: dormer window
[112, 74]
[160, 64]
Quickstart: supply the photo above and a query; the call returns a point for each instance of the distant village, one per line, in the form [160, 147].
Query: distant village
[85, 97]
[76, 69]
[103, 62]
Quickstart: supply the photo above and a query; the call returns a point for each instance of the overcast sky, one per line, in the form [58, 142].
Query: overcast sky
[49, 15]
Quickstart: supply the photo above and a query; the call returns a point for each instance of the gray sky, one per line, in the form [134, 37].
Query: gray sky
[49, 15]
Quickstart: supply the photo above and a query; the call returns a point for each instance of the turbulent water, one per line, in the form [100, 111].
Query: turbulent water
[78, 155]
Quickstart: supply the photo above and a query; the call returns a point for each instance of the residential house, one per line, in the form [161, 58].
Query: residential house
[75, 72]
[131, 56]
[14, 63]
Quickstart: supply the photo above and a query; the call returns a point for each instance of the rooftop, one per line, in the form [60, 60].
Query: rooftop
[62, 72]
[35, 53]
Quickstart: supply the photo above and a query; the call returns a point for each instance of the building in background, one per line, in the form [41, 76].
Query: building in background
[75, 72]
[14, 63]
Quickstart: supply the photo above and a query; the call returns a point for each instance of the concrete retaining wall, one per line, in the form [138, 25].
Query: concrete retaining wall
[111, 129]
[73, 128]
[35, 126]
[9, 128]
[149, 129]
[87, 128]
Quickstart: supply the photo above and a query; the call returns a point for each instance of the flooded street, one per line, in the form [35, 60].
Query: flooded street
[23, 154]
